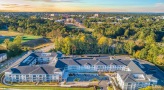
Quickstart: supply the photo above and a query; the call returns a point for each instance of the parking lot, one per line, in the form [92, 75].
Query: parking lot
[86, 77]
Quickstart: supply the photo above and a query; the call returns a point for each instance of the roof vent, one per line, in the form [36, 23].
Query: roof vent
[94, 58]
[111, 58]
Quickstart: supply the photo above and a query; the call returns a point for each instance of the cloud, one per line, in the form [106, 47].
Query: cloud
[13, 5]
[6, 5]
[159, 5]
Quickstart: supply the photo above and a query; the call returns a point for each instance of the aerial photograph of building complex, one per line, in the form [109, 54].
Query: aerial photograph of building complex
[81, 44]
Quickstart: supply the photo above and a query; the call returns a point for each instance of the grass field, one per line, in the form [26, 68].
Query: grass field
[70, 27]
[10, 35]
[41, 88]
[2, 39]
[26, 38]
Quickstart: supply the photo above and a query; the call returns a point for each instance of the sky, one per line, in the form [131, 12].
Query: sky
[82, 5]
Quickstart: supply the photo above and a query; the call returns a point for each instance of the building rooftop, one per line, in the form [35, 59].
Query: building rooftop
[46, 69]
[2, 54]
[138, 73]
[90, 61]
[129, 76]
[40, 54]
[134, 66]
[28, 59]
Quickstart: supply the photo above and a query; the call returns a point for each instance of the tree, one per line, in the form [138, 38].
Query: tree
[160, 60]
[103, 44]
[15, 47]
[18, 40]
[6, 42]
[126, 33]
[19, 29]
[12, 28]
[129, 47]
[143, 53]
[147, 88]
[67, 45]
[150, 39]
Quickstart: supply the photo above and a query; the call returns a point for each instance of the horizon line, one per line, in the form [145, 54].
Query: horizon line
[71, 12]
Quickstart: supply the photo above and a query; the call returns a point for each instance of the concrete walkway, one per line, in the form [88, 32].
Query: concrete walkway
[3, 81]
[103, 83]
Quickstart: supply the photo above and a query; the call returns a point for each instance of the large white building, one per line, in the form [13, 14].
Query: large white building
[136, 77]
[46, 67]
[44, 73]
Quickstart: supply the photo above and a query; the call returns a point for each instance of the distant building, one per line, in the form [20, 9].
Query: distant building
[3, 57]
[96, 15]
[126, 18]
[70, 20]
[60, 21]
[52, 15]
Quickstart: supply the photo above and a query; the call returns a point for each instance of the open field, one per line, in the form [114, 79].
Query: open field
[35, 43]
[26, 38]
[71, 27]
[2, 39]
[10, 35]
[80, 29]
[41, 88]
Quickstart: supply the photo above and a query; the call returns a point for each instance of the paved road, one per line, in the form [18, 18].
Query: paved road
[46, 49]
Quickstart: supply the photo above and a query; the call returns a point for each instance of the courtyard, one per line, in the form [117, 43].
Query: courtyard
[85, 77]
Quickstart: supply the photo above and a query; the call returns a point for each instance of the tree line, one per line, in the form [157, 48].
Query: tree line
[140, 36]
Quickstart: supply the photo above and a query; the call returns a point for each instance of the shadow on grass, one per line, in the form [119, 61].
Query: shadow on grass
[28, 39]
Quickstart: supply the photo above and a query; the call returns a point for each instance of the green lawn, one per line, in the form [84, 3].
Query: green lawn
[70, 27]
[42, 88]
[49, 88]
[26, 38]
[2, 39]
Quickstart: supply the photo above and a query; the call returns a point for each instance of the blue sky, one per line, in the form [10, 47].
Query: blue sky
[83, 5]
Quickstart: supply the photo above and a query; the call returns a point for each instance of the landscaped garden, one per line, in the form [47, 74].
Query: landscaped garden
[77, 79]
[41, 88]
